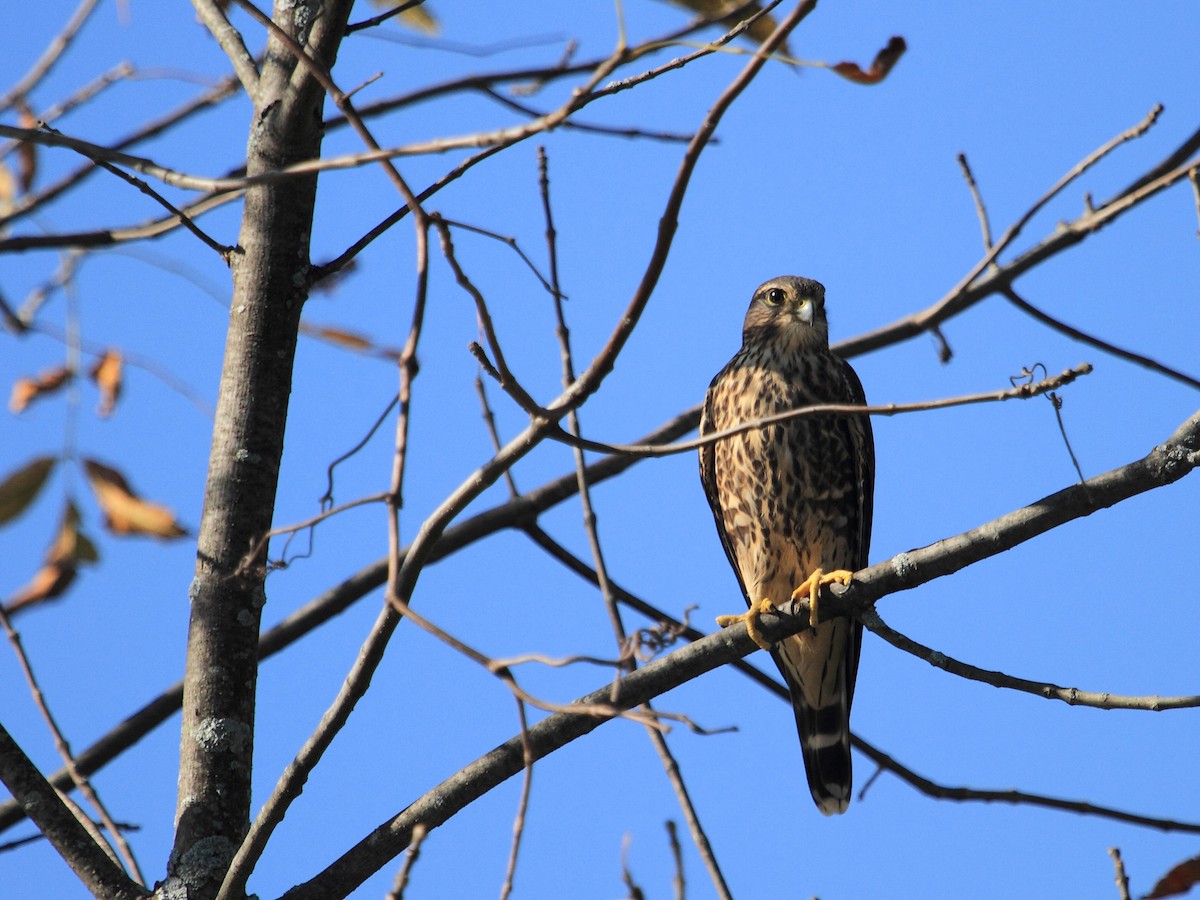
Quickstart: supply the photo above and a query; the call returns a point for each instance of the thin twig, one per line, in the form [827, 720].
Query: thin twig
[518, 828]
[975, 286]
[50, 56]
[502, 372]
[225, 251]
[980, 210]
[1018, 798]
[1119, 874]
[327, 497]
[489, 421]
[1021, 391]
[410, 859]
[1063, 328]
[64, 751]
[657, 740]
[99, 873]
[1068, 695]
[212, 15]
[1166, 464]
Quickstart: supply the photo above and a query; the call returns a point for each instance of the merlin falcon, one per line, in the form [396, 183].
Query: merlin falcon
[792, 503]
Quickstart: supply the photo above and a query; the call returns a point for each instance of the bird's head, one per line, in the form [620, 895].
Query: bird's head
[788, 309]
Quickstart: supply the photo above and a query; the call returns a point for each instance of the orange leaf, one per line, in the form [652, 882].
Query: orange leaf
[8, 189]
[50, 581]
[349, 340]
[26, 390]
[1181, 879]
[882, 64]
[71, 546]
[124, 511]
[107, 375]
[26, 151]
[21, 488]
[70, 549]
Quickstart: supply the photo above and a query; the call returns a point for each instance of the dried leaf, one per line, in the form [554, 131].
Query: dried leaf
[716, 9]
[1181, 879]
[124, 511]
[418, 18]
[21, 488]
[70, 549]
[883, 63]
[107, 375]
[26, 390]
[49, 582]
[71, 545]
[8, 189]
[26, 151]
[348, 340]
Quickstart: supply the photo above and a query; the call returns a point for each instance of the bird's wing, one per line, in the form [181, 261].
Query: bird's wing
[708, 477]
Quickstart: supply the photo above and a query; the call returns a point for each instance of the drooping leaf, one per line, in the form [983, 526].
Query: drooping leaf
[22, 487]
[107, 373]
[418, 18]
[26, 151]
[26, 390]
[349, 340]
[70, 544]
[880, 66]
[70, 549]
[49, 582]
[1181, 879]
[8, 189]
[717, 9]
[125, 512]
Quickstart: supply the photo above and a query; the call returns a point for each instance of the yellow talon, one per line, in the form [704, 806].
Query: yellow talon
[750, 617]
[812, 588]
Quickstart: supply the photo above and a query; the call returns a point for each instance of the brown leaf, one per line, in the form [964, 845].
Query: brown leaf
[26, 151]
[107, 375]
[70, 544]
[26, 390]
[712, 9]
[70, 549]
[8, 189]
[348, 340]
[49, 582]
[1181, 879]
[418, 18]
[124, 511]
[883, 63]
[21, 488]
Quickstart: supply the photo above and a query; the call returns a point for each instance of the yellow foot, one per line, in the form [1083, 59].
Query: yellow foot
[751, 619]
[812, 588]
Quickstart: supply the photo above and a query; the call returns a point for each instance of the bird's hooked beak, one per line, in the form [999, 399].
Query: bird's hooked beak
[804, 309]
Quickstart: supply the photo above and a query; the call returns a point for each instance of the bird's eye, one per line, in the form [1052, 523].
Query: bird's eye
[775, 296]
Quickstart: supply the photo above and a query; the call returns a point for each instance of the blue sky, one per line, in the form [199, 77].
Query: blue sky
[855, 186]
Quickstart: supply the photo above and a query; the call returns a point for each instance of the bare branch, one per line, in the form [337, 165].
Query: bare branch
[64, 750]
[1164, 465]
[50, 56]
[101, 876]
[1063, 328]
[1069, 696]
[980, 210]
[212, 14]
[1019, 391]
[1018, 798]
[1119, 873]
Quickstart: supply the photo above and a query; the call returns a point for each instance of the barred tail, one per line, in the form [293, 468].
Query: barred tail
[819, 667]
[825, 746]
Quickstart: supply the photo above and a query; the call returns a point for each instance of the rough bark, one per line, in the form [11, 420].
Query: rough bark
[227, 594]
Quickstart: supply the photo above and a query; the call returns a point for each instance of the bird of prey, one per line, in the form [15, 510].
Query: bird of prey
[792, 503]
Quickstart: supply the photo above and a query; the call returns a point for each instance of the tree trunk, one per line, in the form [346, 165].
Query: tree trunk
[270, 283]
